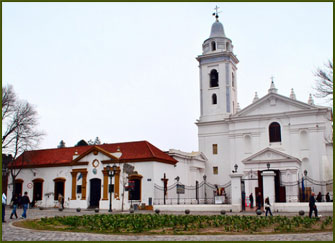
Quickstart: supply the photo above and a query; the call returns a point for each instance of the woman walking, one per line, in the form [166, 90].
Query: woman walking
[267, 206]
[15, 201]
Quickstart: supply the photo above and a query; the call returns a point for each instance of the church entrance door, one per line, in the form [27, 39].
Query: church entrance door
[280, 194]
[95, 192]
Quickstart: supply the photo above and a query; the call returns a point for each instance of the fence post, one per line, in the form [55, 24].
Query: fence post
[205, 177]
[197, 191]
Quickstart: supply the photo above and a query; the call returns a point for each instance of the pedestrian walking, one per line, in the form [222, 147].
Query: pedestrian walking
[327, 197]
[20, 199]
[312, 206]
[319, 197]
[259, 200]
[267, 206]
[4, 202]
[15, 201]
[251, 198]
[25, 201]
[61, 200]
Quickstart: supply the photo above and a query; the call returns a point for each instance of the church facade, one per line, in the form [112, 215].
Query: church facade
[275, 132]
[289, 136]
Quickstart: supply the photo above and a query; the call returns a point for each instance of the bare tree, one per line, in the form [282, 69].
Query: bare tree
[126, 171]
[19, 133]
[324, 83]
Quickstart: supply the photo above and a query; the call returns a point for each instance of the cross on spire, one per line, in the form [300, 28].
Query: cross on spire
[216, 14]
[272, 79]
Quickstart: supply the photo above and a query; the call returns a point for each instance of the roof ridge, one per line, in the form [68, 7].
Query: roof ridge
[147, 144]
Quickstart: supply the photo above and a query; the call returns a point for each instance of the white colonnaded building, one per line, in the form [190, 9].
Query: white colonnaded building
[277, 137]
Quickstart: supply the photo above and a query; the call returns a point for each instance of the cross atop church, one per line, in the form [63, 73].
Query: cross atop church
[216, 14]
[272, 79]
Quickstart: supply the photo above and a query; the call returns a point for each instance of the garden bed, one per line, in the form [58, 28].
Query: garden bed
[180, 224]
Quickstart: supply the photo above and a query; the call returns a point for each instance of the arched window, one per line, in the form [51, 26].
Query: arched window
[214, 99]
[213, 46]
[214, 78]
[59, 187]
[274, 132]
[18, 186]
[136, 187]
[232, 80]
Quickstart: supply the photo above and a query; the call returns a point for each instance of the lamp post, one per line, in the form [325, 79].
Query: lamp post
[111, 173]
[178, 196]
[305, 173]
[205, 177]
[268, 165]
[235, 168]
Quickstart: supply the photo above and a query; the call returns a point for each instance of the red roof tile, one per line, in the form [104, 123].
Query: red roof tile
[131, 152]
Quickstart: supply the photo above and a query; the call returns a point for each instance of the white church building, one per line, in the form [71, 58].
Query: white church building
[276, 136]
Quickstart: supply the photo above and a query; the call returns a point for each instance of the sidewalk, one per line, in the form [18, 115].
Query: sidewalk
[12, 233]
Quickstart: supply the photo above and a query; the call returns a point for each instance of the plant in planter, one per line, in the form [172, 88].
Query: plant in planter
[96, 210]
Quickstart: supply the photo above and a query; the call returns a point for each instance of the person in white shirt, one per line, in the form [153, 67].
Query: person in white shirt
[4, 201]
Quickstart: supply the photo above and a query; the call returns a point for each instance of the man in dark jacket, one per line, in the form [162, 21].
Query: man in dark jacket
[312, 206]
[25, 201]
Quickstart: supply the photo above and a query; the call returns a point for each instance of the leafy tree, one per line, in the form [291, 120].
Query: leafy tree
[19, 128]
[324, 83]
[81, 143]
[61, 144]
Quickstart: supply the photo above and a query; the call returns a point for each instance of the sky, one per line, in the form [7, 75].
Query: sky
[127, 71]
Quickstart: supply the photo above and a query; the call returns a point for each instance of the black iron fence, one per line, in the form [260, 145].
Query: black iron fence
[200, 193]
[303, 188]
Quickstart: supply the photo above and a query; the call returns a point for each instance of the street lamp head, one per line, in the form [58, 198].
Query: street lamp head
[108, 167]
[205, 177]
[177, 178]
[114, 167]
[268, 165]
[305, 172]
[235, 167]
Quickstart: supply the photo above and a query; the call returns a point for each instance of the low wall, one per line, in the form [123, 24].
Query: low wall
[199, 208]
[276, 207]
[296, 207]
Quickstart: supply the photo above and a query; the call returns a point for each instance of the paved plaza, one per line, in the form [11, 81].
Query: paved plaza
[12, 233]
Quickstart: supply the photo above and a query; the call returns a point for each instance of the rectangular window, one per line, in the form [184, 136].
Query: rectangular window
[215, 170]
[215, 149]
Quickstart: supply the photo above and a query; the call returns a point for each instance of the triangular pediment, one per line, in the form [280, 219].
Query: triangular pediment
[274, 103]
[94, 150]
[268, 155]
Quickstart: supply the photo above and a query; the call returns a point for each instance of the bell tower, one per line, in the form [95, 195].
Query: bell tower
[218, 86]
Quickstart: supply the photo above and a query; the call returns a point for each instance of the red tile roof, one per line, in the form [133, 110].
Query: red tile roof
[131, 152]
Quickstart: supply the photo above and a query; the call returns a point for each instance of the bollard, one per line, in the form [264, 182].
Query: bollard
[223, 212]
[78, 209]
[157, 211]
[187, 211]
[96, 210]
[258, 212]
[301, 212]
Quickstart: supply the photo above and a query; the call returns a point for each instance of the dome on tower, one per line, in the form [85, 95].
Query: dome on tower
[217, 30]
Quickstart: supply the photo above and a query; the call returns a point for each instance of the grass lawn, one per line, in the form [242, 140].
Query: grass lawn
[179, 224]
